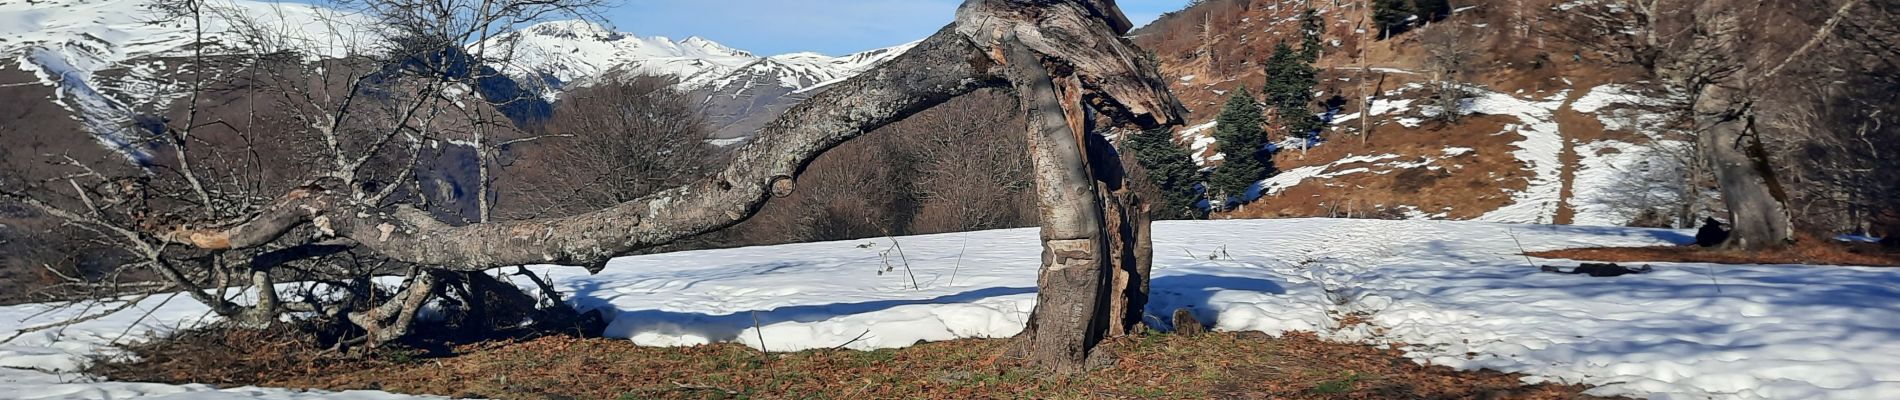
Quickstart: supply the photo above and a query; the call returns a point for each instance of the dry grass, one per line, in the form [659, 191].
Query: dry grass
[1808, 251]
[1216, 365]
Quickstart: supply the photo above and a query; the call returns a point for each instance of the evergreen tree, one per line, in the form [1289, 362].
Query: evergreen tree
[1243, 140]
[1393, 16]
[1171, 168]
[1312, 27]
[1289, 91]
[1433, 10]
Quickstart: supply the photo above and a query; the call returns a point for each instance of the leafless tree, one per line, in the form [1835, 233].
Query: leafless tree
[351, 110]
[612, 143]
[1449, 49]
[1635, 31]
[1836, 129]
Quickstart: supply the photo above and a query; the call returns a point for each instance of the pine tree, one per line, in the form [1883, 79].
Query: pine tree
[1311, 27]
[1171, 168]
[1433, 10]
[1289, 91]
[1243, 140]
[1393, 16]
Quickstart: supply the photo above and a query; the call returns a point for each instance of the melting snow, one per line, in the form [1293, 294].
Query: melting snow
[1539, 151]
[1293, 177]
[1458, 293]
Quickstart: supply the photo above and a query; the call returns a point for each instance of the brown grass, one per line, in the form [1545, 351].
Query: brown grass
[1809, 251]
[1215, 365]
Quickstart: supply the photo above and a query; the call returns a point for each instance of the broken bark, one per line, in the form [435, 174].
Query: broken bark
[1094, 275]
[1067, 321]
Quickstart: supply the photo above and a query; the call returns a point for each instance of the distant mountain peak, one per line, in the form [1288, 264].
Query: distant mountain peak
[575, 29]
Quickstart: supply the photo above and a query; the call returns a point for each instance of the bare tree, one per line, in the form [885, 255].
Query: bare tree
[1836, 128]
[352, 110]
[1621, 30]
[1449, 49]
[607, 144]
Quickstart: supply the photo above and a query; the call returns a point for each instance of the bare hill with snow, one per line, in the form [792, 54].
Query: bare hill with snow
[1548, 131]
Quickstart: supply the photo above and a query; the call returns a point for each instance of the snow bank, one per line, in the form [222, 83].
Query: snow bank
[1290, 178]
[1458, 293]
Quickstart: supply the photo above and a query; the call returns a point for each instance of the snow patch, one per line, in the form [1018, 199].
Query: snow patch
[1539, 151]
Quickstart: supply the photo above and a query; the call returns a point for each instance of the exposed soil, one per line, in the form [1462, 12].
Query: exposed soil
[1152, 365]
[1809, 252]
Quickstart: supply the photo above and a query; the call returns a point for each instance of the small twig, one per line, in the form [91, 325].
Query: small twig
[959, 265]
[1710, 270]
[142, 317]
[906, 260]
[759, 329]
[1520, 247]
[684, 386]
[77, 320]
[853, 340]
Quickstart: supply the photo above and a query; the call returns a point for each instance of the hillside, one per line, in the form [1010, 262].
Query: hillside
[1550, 132]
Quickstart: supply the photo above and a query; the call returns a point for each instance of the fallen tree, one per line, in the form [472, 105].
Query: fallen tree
[1066, 59]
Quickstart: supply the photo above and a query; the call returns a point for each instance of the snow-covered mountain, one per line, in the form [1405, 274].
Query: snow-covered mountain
[563, 53]
[741, 90]
[67, 44]
[108, 61]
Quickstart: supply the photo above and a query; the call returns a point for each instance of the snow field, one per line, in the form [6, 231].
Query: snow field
[1457, 292]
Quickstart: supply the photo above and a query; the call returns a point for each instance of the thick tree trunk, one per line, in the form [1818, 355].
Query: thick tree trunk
[1068, 320]
[1093, 282]
[1757, 205]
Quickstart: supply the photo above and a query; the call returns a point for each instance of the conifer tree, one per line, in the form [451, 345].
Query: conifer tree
[1312, 27]
[1433, 10]
[1393, 16]
[1172, 169]
[1243, 140]
[1289, 92]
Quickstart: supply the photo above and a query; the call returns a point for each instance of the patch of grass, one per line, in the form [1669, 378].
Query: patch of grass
[1811, 251]
[1147, 365]
[1343, 385]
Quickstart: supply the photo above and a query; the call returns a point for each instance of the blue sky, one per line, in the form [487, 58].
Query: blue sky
[834, 27]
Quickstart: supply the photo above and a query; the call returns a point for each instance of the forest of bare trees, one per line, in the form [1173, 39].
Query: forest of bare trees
[1784, 99]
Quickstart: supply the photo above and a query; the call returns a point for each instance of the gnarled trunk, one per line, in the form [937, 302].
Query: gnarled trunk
[1093, 282]
[1757, 206]
[1724, 121]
